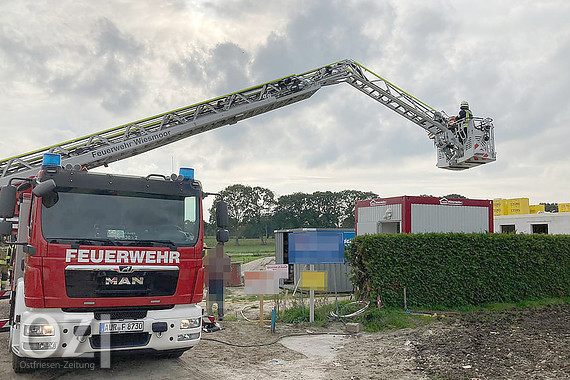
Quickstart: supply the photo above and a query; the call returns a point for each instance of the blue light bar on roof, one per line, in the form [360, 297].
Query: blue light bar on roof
[51, 159]
[187, 173]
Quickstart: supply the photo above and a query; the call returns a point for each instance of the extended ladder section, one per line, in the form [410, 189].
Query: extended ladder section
[455, 151]
[458, 147]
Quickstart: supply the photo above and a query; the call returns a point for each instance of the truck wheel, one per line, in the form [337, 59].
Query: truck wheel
[22, 365]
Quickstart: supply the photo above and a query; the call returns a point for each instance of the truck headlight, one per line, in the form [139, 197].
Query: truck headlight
[190, 323]
[39, 330]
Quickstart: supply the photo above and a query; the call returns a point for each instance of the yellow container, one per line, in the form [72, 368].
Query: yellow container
[535, 209]
[563, 207]
[499, 207]
[518, 206]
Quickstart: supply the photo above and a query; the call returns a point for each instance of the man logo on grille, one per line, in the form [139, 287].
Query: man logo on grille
[126, 269]
[124, 281]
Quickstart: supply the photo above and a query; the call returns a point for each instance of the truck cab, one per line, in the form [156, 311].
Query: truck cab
[106, 263]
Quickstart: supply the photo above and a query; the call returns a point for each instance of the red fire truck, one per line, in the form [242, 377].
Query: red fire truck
[112, 263]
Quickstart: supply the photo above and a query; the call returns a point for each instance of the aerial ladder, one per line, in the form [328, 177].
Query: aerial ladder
[458, 148]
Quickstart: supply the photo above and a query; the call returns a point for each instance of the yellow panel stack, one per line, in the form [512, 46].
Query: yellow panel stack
[535, 209]
[499, 207]
[563, 207]
[518, 206]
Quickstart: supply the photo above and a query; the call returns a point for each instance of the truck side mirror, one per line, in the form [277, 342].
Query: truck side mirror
[7, 201]
[44, 188]
[222, 214]
[46, 191]
[222, 236]
[5, 228]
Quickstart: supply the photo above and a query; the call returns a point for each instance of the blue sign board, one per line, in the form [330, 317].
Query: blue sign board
[347, 237]
[318, 247]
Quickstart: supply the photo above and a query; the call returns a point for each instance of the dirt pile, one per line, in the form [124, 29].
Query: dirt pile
[513, 344]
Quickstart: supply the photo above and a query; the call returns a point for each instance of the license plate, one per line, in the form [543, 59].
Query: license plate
[120, 327]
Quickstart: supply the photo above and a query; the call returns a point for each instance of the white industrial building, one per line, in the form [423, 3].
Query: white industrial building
[543, 223]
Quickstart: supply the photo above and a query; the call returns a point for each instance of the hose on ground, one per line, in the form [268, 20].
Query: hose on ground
[354, 314]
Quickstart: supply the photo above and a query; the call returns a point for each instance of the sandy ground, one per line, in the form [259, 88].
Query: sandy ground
[513, 344]
[516, 344]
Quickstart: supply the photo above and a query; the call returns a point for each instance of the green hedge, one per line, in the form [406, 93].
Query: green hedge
[460, 269]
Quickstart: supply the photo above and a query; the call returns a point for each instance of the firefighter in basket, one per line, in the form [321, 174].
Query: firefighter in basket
[458, 124]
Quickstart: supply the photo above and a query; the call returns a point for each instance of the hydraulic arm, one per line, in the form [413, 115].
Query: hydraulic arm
[458, 148]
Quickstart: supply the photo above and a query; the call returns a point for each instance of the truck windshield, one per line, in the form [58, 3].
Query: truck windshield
[122, 218]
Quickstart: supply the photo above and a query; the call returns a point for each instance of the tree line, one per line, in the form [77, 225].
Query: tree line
[255, 212]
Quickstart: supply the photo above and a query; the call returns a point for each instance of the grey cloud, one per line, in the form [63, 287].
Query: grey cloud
[322, 33]
[104, 68]
[111, 41]
[189, 66]
[228, 64]
[22, 57]
[365, 132]
[109, 71]
[220, 70]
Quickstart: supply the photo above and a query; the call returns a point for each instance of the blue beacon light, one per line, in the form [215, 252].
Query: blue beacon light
[51, 159]
[187, 173]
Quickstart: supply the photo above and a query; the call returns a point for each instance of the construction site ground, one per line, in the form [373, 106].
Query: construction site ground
[531, 343]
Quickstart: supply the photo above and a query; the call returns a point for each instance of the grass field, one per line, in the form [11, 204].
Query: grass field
[247, 250]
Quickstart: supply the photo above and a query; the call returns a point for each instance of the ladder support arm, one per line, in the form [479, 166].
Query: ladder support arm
[150, 133]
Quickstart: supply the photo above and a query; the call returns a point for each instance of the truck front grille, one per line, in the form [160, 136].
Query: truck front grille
[120, 314]
[100, 282]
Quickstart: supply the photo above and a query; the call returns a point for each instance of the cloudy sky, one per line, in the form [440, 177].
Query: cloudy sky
[70, 68]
